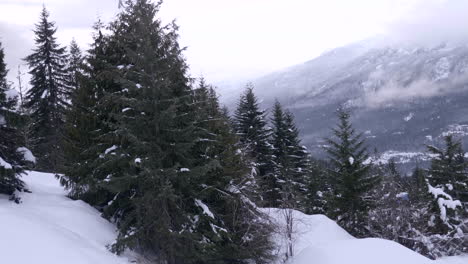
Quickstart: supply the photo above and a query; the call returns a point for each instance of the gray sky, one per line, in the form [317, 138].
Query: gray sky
[236, 39]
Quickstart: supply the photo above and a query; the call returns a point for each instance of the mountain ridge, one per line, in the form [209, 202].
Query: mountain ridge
[402, 97]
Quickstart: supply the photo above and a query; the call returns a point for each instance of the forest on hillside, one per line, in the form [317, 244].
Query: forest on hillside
[126, 129]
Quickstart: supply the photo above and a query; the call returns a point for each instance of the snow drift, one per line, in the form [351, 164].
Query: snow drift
[319, 240]
[49, 228]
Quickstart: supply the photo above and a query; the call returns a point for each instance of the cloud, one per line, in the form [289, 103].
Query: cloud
[74, 19]
[16, 44]
[393, 92]
[431, 22]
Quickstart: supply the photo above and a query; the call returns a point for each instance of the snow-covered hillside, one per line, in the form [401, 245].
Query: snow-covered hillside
[49, 228]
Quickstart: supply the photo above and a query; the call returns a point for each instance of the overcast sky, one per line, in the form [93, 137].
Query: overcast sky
[239, 39]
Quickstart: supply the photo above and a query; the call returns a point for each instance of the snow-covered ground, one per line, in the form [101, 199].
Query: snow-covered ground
[49, 228]
[319, 240]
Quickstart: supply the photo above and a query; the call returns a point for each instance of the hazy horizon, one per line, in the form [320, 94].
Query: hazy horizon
[239, 40]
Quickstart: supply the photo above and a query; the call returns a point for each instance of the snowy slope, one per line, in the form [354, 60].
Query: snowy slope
[49, 228]
[319, 240]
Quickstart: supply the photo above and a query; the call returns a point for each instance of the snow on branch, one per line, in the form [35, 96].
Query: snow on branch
[205, 208]
[444, 201]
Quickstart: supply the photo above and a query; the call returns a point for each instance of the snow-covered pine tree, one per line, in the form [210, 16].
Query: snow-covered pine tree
[13, 155]
[46, 99]
[150, 176]
[449, 169]
[84, 123]
[448, 186]
[391, 218]
[418, 236]
[251, 126]
[280, 184]
[145, 135]
[350, 179]
[74, 66]
[222, 190]
[291, 162]
[317, 187]
[299, 158]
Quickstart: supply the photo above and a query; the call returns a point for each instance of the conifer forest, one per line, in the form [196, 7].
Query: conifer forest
[173, 173]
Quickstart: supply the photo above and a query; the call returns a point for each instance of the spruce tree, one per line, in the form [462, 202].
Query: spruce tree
[317, 187]
[392, 214]
[448, 169]
[159, 171]
[13, 154]
[74, 67]
[84, 122]
[46, 99]
[251, 127]
[419, 228]
[224, 188]
[418, 182]
[279, 184]
[299, 159]
[351, 180]
[448, 185]
[291, 162]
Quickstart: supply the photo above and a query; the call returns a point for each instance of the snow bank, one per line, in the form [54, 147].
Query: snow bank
[307, 230]
[5, 164]
[27, 154]
[319, 240]
[453, 260]
[49, 228]
[359, 251]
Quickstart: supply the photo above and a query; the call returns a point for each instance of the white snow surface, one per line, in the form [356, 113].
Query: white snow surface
[409, 117]
[205, 208]
[319, 240]
[27, 154]
[5, 164]
[107, 151]
[11, 94]
[49, 228]
[444, 203]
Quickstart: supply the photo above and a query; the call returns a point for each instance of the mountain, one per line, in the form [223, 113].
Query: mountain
[402, 97]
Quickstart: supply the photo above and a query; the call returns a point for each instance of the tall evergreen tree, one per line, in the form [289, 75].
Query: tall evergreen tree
[390, 219]
[448, 184]
[291, 162]
[224, 186]
[46, 99]
[299, 159]
[251, 126]
[351, 180]
[448, 169]
[84, 123]
[12, 150]
[317, 187]
[74, 67]
[279, 184]
[158, 170]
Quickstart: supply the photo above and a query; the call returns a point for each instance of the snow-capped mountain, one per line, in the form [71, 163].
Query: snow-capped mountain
[401, 96]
